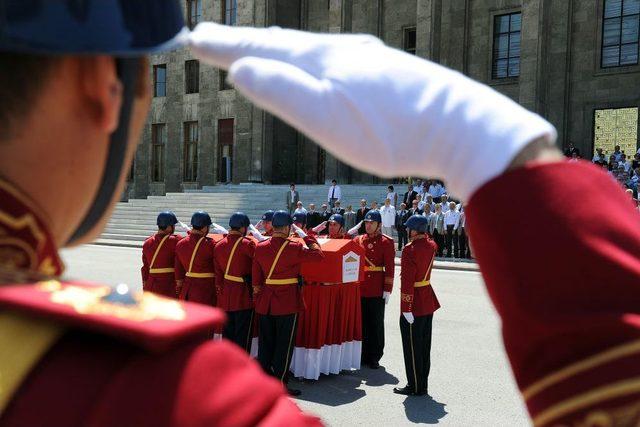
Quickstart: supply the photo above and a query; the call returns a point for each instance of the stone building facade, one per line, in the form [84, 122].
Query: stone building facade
[573, 61]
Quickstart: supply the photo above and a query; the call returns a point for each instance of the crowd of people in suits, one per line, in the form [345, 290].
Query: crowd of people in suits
[427, 198]
[623, 169]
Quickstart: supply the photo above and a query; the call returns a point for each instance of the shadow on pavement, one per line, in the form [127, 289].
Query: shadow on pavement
[331, 390]
[424, 409]
[378, 377]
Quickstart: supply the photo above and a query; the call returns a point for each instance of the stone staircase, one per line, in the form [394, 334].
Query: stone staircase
[135, 220]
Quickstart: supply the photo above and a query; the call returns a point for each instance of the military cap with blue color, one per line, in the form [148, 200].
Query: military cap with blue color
[239, 220]
[166, 219]
[373, 216]
[200, 219]
[418, 223]
[337, 218]
[299, 217]
[281, 219]
[267, 216]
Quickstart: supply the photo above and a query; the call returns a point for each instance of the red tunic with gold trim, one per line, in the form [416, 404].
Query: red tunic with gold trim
[276, 290]
[417, 295]
[565, 277]
[234, 291]
[379, 264]
[194, 265]
[158, 258]
[90, 356]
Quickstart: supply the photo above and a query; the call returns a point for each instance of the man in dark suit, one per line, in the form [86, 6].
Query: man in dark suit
[313, 216]
[337, 209]
[325, 214]
[409, 196]
[293, 197]
[362, 211]
[414, 208]
[401, 217]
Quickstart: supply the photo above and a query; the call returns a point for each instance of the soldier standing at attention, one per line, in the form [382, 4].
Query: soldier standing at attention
[418, 302]
[376, 289]
[276, 283]
[158, 254]
[233, 256]
[194, 263]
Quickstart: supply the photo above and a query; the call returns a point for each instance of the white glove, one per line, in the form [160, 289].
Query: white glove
[255, 233]
[369, 105]
[354, 230]
[318, 228]
[260, 224]
[299, 231]
[218, 229]
[184, 226]
[386, 296]
[409, 317]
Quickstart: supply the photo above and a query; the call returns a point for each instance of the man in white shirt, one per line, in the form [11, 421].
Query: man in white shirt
[429, 202]
[388, 214]
[421, 203]
[451, 224]
[599, 157]
[444, 201]
[617, 153]
[417, 186]
[623, 162]
[436, 190]
[334, 194]
[300, 209]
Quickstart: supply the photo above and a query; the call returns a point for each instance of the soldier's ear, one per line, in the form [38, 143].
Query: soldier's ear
[101, 90]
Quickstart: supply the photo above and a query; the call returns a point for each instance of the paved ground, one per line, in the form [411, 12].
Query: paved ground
[470, 381]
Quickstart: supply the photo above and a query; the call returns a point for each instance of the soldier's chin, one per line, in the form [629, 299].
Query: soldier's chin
[91, 235]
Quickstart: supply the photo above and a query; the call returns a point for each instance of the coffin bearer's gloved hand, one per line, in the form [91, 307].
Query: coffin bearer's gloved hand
[354, 230]
[299, 231]
[318, 228]
[370, 105]
[255, 233]
[409, 317]
[386, 296]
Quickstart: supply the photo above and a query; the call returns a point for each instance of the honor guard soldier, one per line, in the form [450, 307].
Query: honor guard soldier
[418, 303]
[299, 220]
[75, 97]
[195, 276]
[158, 255]
[233, 256]
[278, 294]
[266, 223]
[376, 289]
[336, 227]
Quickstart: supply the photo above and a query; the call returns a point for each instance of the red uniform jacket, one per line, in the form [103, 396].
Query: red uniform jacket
[87, 361]
[158, 257]
[417, 295]
[195, 267]
[281, 298]
[233, 292]
[564, 275]
[379, 264]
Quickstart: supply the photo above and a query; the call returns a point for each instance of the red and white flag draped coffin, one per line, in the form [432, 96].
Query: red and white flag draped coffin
[343, 263]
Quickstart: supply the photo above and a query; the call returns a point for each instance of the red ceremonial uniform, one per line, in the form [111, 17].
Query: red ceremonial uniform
[86, 359]
[565, 279]
[233, 293]
[379, 264]
[276, 290]
[194, 265]
[417, 295]
[158, 257]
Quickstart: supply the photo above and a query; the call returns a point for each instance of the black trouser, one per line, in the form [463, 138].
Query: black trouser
[452, 241]
[276, 338]
[402, 237]
[439, 238]
[462, 244]
[416, 347]
[239, 328]
[372, 329]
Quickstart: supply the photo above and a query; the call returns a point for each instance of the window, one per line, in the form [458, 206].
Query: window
[409, 40]
[194, 12]
[191, 76]
[620, 33]
[506, 46]
[190, 151]
[160, 80]
[616, 126]
[158, 141]
[225, 149]
[229, 11]
[224, 85]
